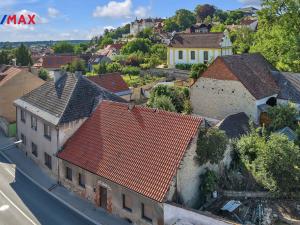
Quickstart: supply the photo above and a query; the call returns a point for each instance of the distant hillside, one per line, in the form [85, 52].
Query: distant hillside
[37, 43]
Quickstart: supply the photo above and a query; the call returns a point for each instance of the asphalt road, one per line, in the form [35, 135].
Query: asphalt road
[23, 203]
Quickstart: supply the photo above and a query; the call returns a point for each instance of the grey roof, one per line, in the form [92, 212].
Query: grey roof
[70, 98]
[289, 84]
[292, 136]
[254, 72]
[235, 125]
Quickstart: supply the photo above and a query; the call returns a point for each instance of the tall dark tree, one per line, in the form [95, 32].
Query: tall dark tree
[203, 11]
[184, 18]
[23, 56]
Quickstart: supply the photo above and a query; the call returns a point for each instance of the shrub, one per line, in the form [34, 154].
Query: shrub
[131, 70]
[145, 66]
[164, 102]
[135, 59]
[183, 66]
[114, 67]
[43, 74]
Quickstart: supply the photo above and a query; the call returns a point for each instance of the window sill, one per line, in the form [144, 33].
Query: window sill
[47, 137]
[127, 209]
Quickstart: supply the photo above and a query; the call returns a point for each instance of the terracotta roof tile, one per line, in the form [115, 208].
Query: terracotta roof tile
[111, 81]
[56, 61]
[139, 148]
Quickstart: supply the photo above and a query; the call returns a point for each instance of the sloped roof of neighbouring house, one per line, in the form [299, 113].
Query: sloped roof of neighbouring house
[139, 148]
[111, 81]
[291, 135]
[67, 99]
[289, 84]
[235, 125]
[197, 40]
[56, 61]
[252, 70]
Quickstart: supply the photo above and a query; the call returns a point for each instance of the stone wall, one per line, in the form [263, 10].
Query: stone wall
[219, 98]
[91, 191]
[174, 213]
[171, 74]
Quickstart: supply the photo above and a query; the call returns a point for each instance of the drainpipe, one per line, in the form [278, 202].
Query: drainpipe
[57, 141]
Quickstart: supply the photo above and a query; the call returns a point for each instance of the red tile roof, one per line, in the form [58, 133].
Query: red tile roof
[139, 149]
[111, 81]
[56, 61]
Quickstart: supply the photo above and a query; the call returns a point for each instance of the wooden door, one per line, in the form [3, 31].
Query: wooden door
[103, 197]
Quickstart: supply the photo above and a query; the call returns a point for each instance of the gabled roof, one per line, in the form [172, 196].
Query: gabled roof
[252, 70]
[235, 125]
[56, 61]
[8, 74]
[291, 135]
[69, 98]
[289, 84]
[113, 82]
[139, 148]
[197, 40]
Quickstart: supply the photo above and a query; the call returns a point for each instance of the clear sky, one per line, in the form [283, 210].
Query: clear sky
[82, 19]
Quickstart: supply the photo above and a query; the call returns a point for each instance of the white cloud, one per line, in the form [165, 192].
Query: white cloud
[52, 12]
[122, 9]
[142, 11]
[114, 9]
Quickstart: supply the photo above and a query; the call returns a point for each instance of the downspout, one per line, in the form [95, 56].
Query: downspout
[17, 136]
[57, 128]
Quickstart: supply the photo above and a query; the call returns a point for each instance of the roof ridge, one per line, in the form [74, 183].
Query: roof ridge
[146, 108]
[71, 95]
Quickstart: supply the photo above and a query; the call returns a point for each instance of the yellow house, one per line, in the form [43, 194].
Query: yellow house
[192, 48]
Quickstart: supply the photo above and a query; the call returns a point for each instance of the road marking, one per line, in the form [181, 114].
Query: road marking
[11, 202]
[4, 207]
[10, 172]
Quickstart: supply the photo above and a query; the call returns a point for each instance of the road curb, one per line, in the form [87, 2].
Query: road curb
[52, 194]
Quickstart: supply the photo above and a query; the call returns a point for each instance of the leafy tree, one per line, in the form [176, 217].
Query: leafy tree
[146, 33]
[211, 145]
[184, 18]
[218, 28]
[159, 50]
[76, 65]
[177, 95]
[197, 70]
[234, 17]
[5, 56]
[278, 37]
[113, 67]
[220, 16]
[282, 116]
[135, 59]
[170, 25]
[43, 74]
[101, 68]
[203, 11]
[273, 161]
[106, 41]
[139, 44]
[163, 102]
[23, 56]
[243, 40]
[63, 47]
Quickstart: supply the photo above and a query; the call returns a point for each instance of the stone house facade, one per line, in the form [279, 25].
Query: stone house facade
[49, 115]
[233, 84]
[132, 166]
[193, 48]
